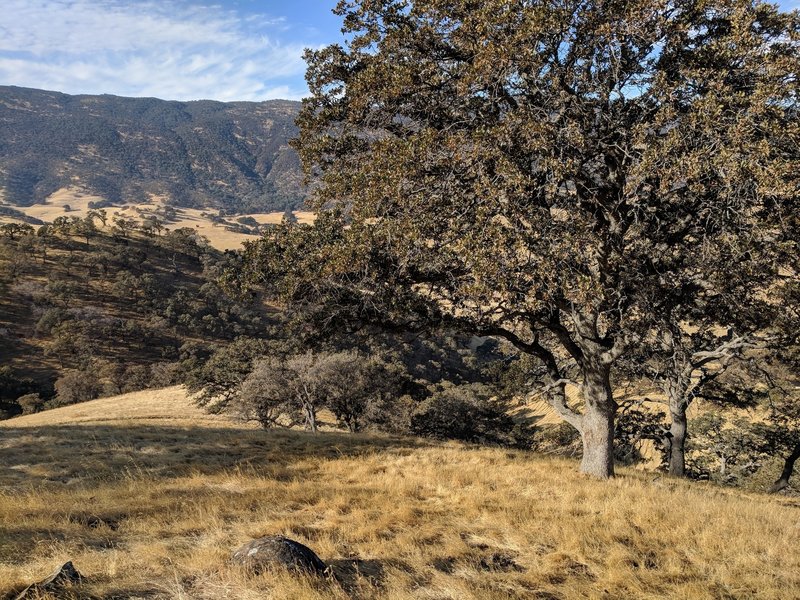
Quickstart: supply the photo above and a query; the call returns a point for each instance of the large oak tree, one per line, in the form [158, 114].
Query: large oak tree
[539, 170]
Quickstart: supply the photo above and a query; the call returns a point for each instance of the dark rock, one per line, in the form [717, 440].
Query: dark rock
[64, 576]
[276, 550]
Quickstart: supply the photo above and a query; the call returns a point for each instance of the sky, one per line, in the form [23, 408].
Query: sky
[171, 49]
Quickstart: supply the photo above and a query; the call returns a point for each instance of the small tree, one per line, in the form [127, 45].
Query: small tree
[217, 380]
[355, 382]
[295, 388]
[85, 228]
[30, 403]
[77, 386]
[469, 413]
[15, 230]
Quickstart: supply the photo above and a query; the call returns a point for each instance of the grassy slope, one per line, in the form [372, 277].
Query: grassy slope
[78, 201]
[424, 520]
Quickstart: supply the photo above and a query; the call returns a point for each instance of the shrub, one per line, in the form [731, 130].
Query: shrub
[12, 387]
[76, 386]
[30, 403]
[469, 413]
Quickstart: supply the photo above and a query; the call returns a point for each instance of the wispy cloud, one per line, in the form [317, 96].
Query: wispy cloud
[168, 49]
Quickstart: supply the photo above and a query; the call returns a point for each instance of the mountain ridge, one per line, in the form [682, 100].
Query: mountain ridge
[232, 156]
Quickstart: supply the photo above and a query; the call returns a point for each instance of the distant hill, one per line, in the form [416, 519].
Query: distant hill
[204, 154]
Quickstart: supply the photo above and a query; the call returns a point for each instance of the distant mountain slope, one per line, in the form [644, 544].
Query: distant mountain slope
[233, 155]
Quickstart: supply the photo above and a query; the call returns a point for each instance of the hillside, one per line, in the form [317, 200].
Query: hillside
[113, 310]
[150, 500]
[204, 154]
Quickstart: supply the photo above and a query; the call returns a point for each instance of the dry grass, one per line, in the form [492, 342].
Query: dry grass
[218, 236]
[397, 518]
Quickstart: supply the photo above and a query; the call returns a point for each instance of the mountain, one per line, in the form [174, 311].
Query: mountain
[232, 156]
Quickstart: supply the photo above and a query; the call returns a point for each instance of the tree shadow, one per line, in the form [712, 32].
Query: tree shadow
[79, 455]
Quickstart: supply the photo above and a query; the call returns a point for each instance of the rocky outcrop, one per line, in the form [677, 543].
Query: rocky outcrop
[278, 551]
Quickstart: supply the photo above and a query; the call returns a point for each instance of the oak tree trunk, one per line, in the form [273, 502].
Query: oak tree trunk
[598, 424]
[788, 469]
[677, 441]
[311, 418]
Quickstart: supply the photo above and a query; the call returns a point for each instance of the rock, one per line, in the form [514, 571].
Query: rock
[63, 576]
[276, 550]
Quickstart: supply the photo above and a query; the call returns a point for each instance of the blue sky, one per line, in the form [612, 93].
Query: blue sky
[171, 49]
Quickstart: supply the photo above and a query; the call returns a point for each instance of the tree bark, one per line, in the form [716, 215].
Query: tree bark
[310, 413]
[598, 424]
[311, 418]
[788, 468]
[677, 441]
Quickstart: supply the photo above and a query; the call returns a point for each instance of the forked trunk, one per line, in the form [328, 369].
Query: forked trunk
[311, 418]
[788, 468]
[598, 425]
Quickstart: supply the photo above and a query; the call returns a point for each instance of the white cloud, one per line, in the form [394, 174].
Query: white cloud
[169, 50]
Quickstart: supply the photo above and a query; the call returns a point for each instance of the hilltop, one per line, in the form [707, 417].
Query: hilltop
[172, 492]
[203, 154]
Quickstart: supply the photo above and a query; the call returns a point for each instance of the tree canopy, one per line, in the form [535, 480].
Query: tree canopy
[542, 171]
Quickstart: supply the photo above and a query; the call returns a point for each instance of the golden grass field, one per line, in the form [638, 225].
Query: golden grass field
[178, 491]
[218, 237]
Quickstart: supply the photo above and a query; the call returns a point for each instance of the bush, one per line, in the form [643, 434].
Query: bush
[76, 386]
[470, 414]
[30, 403]
[12, 386]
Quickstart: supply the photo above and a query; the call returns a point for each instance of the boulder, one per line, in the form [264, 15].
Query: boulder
[276, 550]
[65, 575]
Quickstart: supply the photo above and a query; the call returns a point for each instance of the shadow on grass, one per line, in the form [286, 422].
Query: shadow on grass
[80, 455]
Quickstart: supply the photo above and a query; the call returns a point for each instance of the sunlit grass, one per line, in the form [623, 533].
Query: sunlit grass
[178, 492]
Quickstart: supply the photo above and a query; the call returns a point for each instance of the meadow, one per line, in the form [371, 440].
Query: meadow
[148, 496]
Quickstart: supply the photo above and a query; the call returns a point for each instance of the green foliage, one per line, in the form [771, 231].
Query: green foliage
[469, 413]
[15, 230]
[727, 450]
[12, 387]
[117, 308]
[292, 389]
[542, 174]
[217, 380]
